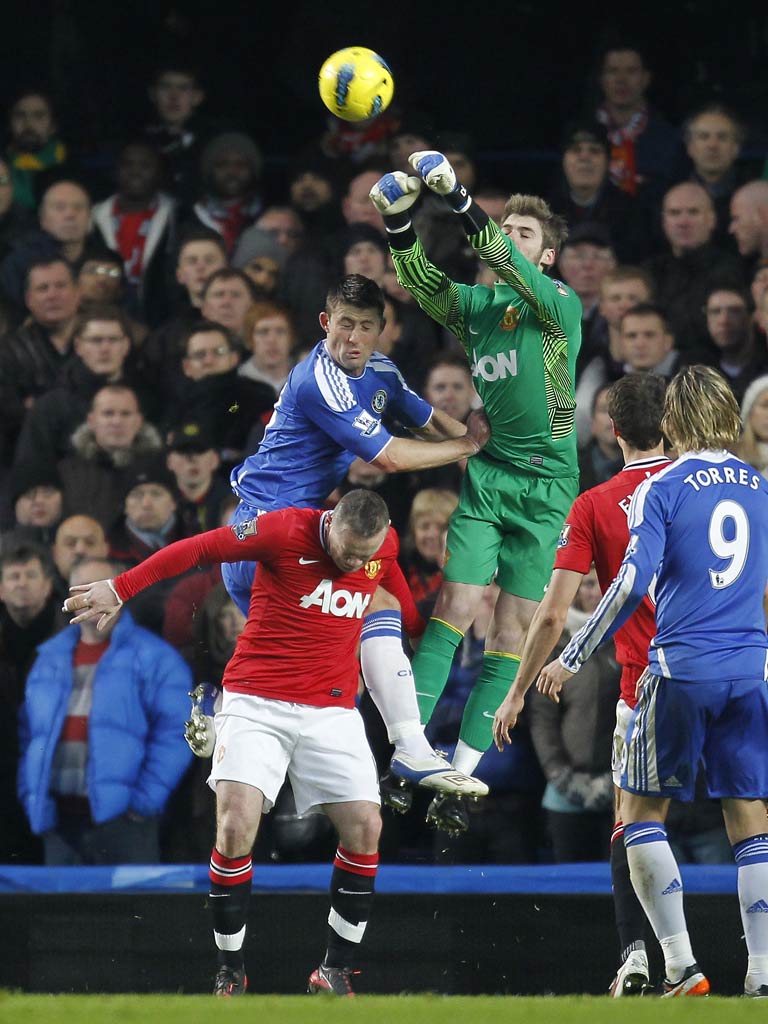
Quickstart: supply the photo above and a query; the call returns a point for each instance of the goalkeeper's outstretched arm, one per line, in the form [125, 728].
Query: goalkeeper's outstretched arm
[393, 195]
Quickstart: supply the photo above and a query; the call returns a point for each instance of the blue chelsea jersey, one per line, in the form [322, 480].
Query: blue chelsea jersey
[699, 540]
[324, 419]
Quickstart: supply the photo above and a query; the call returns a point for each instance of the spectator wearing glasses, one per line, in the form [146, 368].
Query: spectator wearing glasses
[214, 395]
[101, 347]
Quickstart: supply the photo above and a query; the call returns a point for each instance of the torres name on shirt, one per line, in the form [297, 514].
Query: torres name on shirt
[299, 643]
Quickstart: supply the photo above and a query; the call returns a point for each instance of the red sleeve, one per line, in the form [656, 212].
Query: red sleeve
[251, 541]
[395, 583]
[575, 546]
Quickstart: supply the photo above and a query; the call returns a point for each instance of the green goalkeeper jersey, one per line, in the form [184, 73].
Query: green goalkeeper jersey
[521, 337]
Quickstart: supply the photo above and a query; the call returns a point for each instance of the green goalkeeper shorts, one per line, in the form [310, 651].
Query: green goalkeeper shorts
[506, 525]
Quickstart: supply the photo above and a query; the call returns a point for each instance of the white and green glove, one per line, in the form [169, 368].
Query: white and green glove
[393, 195]
[438, 175]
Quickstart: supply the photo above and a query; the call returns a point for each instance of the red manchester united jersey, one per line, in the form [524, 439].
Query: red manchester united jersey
[596, 531]
[299, 643]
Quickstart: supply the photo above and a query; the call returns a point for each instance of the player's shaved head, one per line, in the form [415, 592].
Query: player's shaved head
[701, 412]
[363, 512]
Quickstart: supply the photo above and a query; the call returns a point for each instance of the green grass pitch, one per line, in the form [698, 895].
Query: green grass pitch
[167, 1009]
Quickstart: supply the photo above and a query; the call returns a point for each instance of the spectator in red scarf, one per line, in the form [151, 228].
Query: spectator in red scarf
[230, 168]
[645, 149]
[138, 222]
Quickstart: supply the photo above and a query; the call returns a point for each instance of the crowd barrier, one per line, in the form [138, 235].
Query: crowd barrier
[450, 930]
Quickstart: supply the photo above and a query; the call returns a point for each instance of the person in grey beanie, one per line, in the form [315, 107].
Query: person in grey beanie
[230, 168]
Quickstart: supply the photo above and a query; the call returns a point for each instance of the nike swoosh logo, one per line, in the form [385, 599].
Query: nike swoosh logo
[487, 714]
[472, 331]
[308, 561]
[420, 693]
[350, 892]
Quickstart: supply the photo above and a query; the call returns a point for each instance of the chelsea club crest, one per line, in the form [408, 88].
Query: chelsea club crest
[379, 401]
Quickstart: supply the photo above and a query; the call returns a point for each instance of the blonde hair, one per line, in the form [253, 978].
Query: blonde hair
[700, 411]
[554, 229]
[748, 447]
[434, 502]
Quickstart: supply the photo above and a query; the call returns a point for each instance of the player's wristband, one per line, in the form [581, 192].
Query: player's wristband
[474, 219]
[400, 238]
[397, 222]
[459, 199]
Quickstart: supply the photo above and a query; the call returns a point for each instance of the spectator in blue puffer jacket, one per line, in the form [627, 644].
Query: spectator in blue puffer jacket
[101, 738]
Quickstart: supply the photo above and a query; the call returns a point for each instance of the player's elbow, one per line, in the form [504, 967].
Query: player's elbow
[552, 620]
[387, 459]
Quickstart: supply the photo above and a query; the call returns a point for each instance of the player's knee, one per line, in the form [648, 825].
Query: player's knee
[458, 603]
[362, 834]
[234, 833]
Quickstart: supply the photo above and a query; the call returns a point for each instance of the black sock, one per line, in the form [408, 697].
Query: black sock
[228, 899]
[630, 917]
[352, 884]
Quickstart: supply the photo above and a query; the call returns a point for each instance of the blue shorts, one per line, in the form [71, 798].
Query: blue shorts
[238, 576]
[676, 725]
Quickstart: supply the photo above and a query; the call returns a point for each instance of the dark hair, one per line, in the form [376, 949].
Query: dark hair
[636, 406]
[23, 552]
[115, 389]
[454, 359]
[647, 309]
[103, 311]
[358, 291]
[363, 511]
[180, 66]
[201, 325]
[200, 234]
[42, 264]
[227, 274]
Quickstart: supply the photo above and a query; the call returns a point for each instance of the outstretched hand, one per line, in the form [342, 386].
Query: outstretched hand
[395, 192]
[436, 172]
[93, 600]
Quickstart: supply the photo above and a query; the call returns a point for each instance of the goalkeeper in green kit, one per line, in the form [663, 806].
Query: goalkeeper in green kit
[522, 338]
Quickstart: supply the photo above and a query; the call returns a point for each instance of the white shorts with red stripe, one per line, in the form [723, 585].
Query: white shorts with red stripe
[323, 751]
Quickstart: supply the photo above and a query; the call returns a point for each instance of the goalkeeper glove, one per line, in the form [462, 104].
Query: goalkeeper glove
[393, 195]
[199, 729]
[439, 176]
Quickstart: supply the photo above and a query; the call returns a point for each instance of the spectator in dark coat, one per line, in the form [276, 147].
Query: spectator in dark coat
[585, 193]
[106, 449]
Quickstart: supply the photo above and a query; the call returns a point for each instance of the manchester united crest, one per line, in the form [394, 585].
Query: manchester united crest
[511, 319]
[373, 568]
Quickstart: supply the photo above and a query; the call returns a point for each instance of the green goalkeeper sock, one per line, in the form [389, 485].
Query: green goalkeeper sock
[432, 663]
[497, 675]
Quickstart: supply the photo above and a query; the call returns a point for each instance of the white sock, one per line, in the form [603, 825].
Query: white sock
[656, 880]
[752, 860]
[466, 758]
[389, 678]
